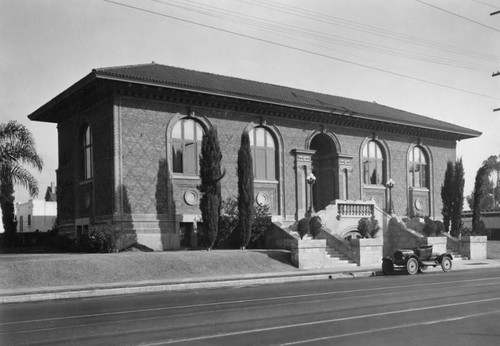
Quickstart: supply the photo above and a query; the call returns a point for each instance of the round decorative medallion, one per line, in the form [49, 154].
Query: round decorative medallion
[191, 197]
[262, 198]
[86, 200]
[419, 204]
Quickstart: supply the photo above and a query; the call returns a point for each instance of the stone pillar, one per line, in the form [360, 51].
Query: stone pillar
[303, 164]
[474, 247]
[367, 251]
[309, 253]
[344, 171]
[438, 244]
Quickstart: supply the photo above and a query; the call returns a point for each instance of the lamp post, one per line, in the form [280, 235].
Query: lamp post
[311, 179]
[390, 184]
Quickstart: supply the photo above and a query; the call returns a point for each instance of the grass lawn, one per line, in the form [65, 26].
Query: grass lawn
[494, 249]
[41, 270]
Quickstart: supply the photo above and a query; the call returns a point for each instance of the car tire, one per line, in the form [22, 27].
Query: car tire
[446, 264]
[387, 266]
[412, 266]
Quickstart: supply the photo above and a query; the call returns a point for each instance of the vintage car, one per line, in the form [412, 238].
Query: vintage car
[416, 260]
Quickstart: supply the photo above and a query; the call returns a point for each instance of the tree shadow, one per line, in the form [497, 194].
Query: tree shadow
[282, 256]
[165, 205]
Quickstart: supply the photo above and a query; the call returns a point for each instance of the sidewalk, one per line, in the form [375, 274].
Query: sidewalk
[119, 288]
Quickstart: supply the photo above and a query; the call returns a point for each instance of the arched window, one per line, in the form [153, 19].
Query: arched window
[263, 154]
[186, 146]
[86, 155]
[373, 164]
[417, 163]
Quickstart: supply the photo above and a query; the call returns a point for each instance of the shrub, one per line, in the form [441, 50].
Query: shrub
[440, 228]
[430, 227]
[228, 223]
[368, 227]
[315, 226]
[303, 227]
[261, 222]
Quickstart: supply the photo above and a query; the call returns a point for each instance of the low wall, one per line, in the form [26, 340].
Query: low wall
[474, 247]
[277, 238]
[309, 253]
[438, 244]
[367, 251]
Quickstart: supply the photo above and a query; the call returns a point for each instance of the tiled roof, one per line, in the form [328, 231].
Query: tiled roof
[241, 88]
[179, 78]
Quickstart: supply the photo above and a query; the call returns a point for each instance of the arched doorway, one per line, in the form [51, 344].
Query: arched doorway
[323, 167]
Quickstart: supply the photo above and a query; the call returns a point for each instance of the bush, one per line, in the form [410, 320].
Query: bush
[315, 226]
[228, 222]
[440, 228]
[261, 222]
[303, 227]
[227, 238]
[430, 227]
[368, 227]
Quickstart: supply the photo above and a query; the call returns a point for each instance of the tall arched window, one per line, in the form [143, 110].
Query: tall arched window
[373, 164]
[87, 159]
[263, 154]
[417, 163]
[186, 146]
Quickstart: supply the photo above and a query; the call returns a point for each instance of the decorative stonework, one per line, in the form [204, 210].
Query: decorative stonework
[262, 198]
[419, 204]
[191, 197]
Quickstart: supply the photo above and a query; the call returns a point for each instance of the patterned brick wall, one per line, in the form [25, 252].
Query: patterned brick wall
[144, 147]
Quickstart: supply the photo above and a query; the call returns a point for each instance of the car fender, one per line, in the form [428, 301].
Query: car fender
[439, 259]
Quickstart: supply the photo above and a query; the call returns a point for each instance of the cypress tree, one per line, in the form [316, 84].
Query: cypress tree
[211, 175]
[245, 191]
[458, 199]
[478, 194]
[447, 195]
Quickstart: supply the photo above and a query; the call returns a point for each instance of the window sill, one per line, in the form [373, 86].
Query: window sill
[260, 181]
[87, 181]
[374, 187]
[419, 189]
[186, 177]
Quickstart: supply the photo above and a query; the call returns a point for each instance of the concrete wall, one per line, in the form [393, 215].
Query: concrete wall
[474, 248]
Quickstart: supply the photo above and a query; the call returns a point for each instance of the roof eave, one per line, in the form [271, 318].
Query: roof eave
[341, 112]
[44, 111]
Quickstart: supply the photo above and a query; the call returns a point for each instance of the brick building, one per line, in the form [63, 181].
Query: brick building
[129, 139]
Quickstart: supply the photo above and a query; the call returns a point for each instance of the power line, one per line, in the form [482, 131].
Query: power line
[301, 49]
[457, 15]
[294, 31]
[317, 16]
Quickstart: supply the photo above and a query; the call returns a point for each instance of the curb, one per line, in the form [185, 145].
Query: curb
[177, 286]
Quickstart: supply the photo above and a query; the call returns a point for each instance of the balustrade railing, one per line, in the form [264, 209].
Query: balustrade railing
[355, 209]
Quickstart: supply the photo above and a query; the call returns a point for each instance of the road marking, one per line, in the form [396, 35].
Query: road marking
[305, 324]
[409, 325]
[115, 313]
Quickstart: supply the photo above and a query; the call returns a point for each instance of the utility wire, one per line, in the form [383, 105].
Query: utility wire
[459, 16]
[293, 32]
[317, 16]
[300, 49]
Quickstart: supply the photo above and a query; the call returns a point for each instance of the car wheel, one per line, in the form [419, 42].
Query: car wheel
[423, 269]
[446, 264]
[387, 267]
[412, 266]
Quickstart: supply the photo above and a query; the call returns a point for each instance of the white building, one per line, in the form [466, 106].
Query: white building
[37, 214]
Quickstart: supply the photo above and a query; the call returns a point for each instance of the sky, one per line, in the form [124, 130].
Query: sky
[431, 57]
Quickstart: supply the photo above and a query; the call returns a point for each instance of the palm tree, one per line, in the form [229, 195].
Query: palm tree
[17, 148]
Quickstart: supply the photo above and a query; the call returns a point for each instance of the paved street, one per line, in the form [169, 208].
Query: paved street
[459, 308]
